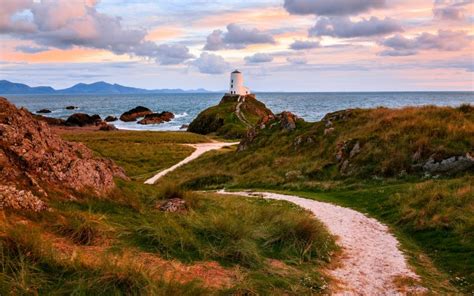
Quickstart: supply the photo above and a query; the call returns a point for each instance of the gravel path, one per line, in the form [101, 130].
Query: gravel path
[371, 260]
[200, 149]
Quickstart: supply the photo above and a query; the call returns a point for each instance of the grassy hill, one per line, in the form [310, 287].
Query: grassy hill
[385, 162]
[223, 120]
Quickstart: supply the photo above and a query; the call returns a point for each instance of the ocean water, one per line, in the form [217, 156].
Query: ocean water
[310, 106]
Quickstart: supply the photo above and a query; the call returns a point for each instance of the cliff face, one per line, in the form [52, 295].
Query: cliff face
[231, 118]
[32, 157]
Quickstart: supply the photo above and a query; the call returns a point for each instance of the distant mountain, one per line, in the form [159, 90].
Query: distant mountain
[101, 87]
[7, 87]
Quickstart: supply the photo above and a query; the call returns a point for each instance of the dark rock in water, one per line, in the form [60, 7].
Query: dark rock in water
[50, 120]
[82, 119]
[71, 107]
[133, 114]
[184, 126]
[43, 111]
[173, 205]
[156, 118]
[111, 118]
[107, 127]
[32, 158]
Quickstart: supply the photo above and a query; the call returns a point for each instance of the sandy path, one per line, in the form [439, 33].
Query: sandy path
[200, 149]
[239, 114]
[371, 260]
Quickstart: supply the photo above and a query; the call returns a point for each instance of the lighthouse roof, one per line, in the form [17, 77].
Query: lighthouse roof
[236, 71]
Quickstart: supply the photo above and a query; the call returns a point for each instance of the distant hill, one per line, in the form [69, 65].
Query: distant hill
[101, 87]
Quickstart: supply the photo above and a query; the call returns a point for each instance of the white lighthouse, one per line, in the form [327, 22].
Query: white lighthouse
[237, 84]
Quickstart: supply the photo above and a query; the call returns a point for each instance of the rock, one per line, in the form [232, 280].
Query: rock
[133, 114]
[156, 118]
[344, 167]
[30, 154]
[287, 120]
[328, 123]
[342, 115]
[43, 111]
[355, 150]
[111, 118]
[82, 119]
[328, 131]
[247, 139]
[12, 198]
[50, 120]
[107, 127]
[184, 126]
[450, 165]
[173, 205]
[71, 107]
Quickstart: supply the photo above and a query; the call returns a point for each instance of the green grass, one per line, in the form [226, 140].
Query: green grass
[141, 154]
[244, 235]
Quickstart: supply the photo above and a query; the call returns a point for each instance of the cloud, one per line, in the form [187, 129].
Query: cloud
[236, 37]
[332, 7]
[259, 58]
[302, 45]
[297, 60]
[343, 27]
[30, 49]
[64, 24]
[452, 10]
[445, 40]
[211, 64]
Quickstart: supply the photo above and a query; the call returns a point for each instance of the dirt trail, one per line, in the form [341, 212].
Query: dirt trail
[239, 114]
[371, 263]
[200, 149]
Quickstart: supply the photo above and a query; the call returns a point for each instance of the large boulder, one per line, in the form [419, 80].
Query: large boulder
[43, 111]
[156, 118]
[82, 119]
[133, 114]
[111, 118]
[50, 120]
[34, 158]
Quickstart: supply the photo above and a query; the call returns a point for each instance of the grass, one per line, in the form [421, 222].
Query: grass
[93, 246]
[222, 121]
[141, 154]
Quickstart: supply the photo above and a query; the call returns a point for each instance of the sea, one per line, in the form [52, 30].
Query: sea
[310, 106]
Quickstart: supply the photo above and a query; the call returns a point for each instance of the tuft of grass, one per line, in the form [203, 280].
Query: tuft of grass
[81, 228]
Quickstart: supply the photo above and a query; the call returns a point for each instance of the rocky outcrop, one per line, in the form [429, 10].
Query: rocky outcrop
[107, 127]
[231, 118]
[82, 119]
[452, 165]
[111, 118]
[43, 111]
[133, 114]
[173, 205]
[12, 198]
[50, 120]
[34, 158]
[157, 118]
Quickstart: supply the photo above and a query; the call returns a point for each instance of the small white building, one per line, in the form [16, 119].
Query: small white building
[237, 84]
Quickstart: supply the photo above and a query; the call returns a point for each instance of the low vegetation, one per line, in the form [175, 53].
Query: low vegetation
[124, 244]
[383, 176]
[141, 154]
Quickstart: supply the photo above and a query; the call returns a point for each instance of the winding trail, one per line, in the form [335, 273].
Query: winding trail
[200, 149]
[371, 262]
[239, 114]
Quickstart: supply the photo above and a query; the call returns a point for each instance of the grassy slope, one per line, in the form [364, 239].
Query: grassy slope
[434, 217]
[222, 121]
[141, 154]
[244, 235]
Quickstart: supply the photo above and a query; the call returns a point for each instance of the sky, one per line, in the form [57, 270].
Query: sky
[279, 45]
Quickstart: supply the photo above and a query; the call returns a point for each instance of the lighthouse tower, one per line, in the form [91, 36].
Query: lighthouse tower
[237, 84]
